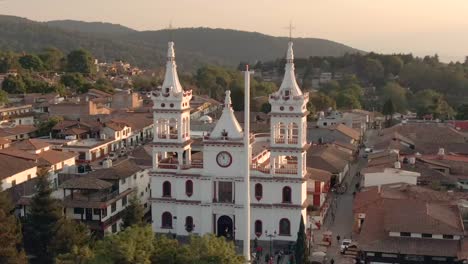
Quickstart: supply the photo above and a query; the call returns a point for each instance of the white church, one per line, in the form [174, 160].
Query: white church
[203, 192]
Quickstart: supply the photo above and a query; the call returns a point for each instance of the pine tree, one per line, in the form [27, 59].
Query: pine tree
[10, 233]
[41, 220]
[300, 249]
[69, 234]
[134, 213]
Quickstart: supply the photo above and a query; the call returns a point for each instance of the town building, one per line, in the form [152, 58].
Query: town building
[199, 193]
[400, 223]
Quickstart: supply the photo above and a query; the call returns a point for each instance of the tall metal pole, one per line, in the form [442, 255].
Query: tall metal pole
[247, 160]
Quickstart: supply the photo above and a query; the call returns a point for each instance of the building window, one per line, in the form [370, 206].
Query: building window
[113, 207]
[96, 211]
[447, 236]
[166, 189]
[284, 227]
[189, 224]
[258, 228]
[104, 212]
[124, 201]
[29, 177]
[386, 255]
[123, 181]
[13, 183]
[258, 191]
[114, 228]
[225, 192]
[287, 194]
[426, 235]
[189, 188]
[166, 220]
[78, 210]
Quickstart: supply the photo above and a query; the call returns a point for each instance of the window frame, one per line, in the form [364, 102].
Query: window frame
[189, 185]
[166, 220]
[166, 189]
[258, 228]
[258, 191]
[288, 233]
[283, 196]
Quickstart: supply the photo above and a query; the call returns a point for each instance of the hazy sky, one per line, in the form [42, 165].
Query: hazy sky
[418, 26]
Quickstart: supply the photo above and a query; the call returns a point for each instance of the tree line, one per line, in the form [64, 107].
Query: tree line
[32, 72]
[423, 85]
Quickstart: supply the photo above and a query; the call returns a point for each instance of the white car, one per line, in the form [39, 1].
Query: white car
[368, 150]
[345, 244]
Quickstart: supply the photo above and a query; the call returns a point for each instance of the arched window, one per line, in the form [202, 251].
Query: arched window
[287, 194]
[258, 228]
[189, 188]
[166, 220]
[284, 227]
[258, 191]
[189, 224]
[166, 189]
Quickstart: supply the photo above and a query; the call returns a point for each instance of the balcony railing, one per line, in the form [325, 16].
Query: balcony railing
[168, 136]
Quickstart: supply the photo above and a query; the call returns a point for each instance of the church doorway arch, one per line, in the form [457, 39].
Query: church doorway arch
[225, 226]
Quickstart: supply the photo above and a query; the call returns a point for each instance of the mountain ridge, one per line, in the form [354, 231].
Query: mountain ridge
[194, 46]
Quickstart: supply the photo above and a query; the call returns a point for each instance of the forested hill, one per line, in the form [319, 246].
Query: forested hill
[194, 46]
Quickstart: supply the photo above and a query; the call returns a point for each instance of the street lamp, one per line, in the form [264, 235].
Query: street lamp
[271, 236]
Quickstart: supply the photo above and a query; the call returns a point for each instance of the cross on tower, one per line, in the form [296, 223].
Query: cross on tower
[171, 30]
[290, 28]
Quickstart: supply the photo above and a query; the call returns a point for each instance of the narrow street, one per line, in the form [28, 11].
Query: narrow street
[342, 222]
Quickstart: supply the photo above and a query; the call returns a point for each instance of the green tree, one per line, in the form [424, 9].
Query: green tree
[73, 80]
[393, 65]
[266, 108]
[45, 127]
[432, 102]
[397, 95]
[166, 250]
[8, 61]
[237, 96]
[81, 61]
[104, 85]
[134, 213]
[53, 59]
[13, 85]
[77, 255]
[462, 112]
[68, 234]
[210, 249]
[134, 245]
[322, 102]
[3, 97]
[373, 71]
[10, 233]
[388, 110]
[31, 62]
[40, 226]
[300, 251]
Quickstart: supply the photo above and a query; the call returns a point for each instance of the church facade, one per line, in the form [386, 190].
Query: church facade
[202, 192]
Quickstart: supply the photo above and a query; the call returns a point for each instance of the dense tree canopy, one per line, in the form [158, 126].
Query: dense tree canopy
[397, 94]
[81, 61]
[10, 233]
[31, 62]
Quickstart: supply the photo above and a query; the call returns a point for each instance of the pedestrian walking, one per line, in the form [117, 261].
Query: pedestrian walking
[338, 238]
[332, 261]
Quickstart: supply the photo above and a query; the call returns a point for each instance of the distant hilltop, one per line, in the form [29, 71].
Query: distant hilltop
[195, 46]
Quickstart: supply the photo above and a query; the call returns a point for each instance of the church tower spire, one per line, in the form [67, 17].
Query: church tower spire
[227, 126]
[289, 84]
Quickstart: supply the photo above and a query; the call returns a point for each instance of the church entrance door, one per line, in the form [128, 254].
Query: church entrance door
[225, 226]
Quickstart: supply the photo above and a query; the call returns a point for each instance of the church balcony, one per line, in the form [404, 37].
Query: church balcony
[167, 136]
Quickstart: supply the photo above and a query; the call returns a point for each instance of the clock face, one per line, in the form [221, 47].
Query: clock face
[224, 159]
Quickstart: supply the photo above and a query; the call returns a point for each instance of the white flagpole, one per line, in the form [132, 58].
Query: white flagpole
[247, 164]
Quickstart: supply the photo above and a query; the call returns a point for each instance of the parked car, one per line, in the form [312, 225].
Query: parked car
[122, 152]
[344, 245]
[368, 150]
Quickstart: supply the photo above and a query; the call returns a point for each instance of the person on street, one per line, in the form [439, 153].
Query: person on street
[332, 261]
[338, 239]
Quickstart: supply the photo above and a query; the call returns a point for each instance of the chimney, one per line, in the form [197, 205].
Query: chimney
[397, 165]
